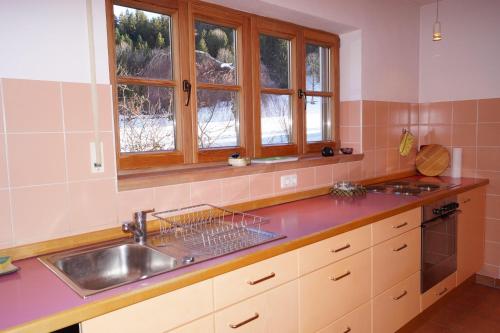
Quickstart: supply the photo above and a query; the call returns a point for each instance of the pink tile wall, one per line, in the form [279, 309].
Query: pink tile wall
[45, 163]
[473, 125]
[382, 125]
[350, 125]
[46, 187]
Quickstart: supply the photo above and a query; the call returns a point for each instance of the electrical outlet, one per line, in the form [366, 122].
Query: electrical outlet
[288, 181]
[93, 159]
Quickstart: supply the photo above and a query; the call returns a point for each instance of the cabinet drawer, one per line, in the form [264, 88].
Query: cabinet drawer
[248, 281]
[357, 321]
[438, 291]
[396, 259]
[158, 314]
[274, 311]
[398, 305]
[330, 250]
[329, 293]
[202, 325]
[396, 225]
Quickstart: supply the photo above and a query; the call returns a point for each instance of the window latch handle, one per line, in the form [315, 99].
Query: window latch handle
[302, 95]
[186, 87]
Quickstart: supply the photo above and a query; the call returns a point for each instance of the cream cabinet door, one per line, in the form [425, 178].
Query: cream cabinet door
[254, 279]
[397, 306]
[158, 314]
[329, 293]
[273, 311]
[357, 321]
[471, 228]
[395, 259]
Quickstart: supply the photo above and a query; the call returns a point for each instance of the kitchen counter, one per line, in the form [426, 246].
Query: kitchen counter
[35, 300]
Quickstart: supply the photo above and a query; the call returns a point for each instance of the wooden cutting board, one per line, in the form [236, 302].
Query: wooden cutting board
[432, 160]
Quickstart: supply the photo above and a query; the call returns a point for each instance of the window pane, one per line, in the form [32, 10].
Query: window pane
[317, 68]
[218, 119]
[274, 62]
[147, 118]
[143, 43]
[318, 119]
[215, 53]
[276, 119]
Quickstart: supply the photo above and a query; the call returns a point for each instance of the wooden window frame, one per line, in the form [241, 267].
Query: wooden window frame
[275, 28]
[332, 42]
[143, 160]
[222, 16]
[183, 14]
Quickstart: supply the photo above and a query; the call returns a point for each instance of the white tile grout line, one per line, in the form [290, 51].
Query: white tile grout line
[7, 164]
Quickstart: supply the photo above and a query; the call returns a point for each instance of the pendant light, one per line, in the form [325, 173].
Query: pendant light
[436, 31]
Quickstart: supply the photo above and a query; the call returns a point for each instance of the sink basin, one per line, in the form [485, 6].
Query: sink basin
[91, 271]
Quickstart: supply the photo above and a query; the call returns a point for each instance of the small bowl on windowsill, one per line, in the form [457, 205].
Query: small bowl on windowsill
[346, 151]
[237, 161]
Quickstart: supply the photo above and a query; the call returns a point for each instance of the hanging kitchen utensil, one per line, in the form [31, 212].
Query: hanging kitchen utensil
[406, 143]
[432, 160]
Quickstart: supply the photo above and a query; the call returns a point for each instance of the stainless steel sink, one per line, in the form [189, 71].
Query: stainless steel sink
[93, 270]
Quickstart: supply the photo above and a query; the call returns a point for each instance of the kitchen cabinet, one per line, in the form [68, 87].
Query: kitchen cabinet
[439, 290]
[397, 306]
[395, 259]
[471, 228]
[251, 280]
[364, 280]
[359, 320]
[158, 314]
[325, 252]
[330, 292]
[273, 311]
[396, 225]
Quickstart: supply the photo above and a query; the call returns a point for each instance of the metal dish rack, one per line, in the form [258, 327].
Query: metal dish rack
[211, 230]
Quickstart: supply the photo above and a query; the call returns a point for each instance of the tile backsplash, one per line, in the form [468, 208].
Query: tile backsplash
[47, 189]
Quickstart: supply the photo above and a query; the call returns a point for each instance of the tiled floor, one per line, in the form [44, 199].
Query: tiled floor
[472, 308]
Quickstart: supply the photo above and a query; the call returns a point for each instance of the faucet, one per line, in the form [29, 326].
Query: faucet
[138, 227]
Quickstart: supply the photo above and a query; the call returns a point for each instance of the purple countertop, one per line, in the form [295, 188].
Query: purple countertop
[35, 293]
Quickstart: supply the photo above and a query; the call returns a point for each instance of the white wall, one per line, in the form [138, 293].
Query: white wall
[466, 63]
[52, 43]
[47, 40]
[351, 66]
[389, 32]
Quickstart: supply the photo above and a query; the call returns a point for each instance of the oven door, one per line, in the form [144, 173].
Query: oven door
[439, 250]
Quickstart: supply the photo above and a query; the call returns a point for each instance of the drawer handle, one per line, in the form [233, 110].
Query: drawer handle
[402, 247]
[244, 322]
[442, 292]
[345, 247]
[466, 200]
[403, 294]
[400, 225]
[336, 278]
[270, 276]
[347, 330]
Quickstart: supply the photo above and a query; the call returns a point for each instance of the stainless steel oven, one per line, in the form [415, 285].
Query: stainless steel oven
[439, 241]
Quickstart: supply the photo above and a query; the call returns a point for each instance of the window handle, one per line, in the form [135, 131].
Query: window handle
[186, 87]
[302, 95]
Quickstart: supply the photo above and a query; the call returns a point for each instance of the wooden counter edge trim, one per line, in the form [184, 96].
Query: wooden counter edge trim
[90, 238]
[133, 181]
[97, 308]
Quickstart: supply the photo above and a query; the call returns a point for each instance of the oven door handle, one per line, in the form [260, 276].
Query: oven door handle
[444, 216]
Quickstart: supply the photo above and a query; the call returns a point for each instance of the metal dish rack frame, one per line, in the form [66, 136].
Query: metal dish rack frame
[212, 230]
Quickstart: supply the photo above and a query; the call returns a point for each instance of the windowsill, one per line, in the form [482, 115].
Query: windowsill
[136, 179]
